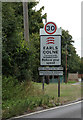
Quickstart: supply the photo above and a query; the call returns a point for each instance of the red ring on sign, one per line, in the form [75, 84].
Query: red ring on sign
[54, 25]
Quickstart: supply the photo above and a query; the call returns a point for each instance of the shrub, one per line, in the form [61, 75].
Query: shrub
[8, 84]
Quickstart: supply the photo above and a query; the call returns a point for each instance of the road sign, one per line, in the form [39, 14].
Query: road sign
[50, 68]
[55, 73]
[50, 50]
[50, 28]
[50, 45]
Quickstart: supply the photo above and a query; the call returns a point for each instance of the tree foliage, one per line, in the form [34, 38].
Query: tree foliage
[73, 60]
[20, 59]
[81, 66]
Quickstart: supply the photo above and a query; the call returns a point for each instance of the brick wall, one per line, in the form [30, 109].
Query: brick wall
[73, 76]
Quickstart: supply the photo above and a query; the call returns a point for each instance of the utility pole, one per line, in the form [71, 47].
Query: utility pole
[66, 66]
[26, 23]
[46, 19]
[48, 79]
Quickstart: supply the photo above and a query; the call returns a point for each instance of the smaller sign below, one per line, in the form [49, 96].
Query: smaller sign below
[55, 73]
[50, 68]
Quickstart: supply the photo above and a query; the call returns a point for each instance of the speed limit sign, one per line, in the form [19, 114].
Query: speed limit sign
[50, 45]
[50, 28]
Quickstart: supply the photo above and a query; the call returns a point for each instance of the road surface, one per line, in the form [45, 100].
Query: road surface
[78, 83]
[72, 110]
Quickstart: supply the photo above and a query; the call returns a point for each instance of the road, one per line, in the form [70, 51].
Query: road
[78, 83]
[66, 111]
[72, 110]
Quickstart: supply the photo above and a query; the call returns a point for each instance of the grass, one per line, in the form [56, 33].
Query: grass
[68, 92]
[27, 96]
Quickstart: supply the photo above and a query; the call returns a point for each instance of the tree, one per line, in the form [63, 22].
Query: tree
[18, 57]
[81, 66]
[73, 60]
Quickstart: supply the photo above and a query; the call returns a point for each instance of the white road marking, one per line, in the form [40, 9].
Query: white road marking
[46, 110]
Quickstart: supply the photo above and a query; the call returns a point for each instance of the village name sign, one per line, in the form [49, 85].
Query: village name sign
[50, 45]
[50, 49]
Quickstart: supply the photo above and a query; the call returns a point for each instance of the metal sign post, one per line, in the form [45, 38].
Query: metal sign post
[58, 86]
[43, 83]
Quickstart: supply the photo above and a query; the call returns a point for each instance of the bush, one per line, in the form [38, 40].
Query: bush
[72, 81]
[8, 84]
[15, 107]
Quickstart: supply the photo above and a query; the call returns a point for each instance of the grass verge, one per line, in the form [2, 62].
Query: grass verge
[25, 97]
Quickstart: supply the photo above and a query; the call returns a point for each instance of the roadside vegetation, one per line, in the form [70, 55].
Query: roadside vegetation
[26, 97]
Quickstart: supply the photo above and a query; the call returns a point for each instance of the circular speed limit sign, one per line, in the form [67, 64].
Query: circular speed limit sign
[50, 28]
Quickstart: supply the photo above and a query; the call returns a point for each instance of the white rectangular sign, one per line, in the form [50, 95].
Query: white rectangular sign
[50, 68]
[55, 73]
[50, 50]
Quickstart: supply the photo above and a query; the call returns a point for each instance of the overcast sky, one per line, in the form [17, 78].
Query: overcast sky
[66, 14]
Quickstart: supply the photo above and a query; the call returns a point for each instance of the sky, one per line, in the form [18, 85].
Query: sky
[66, 14]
